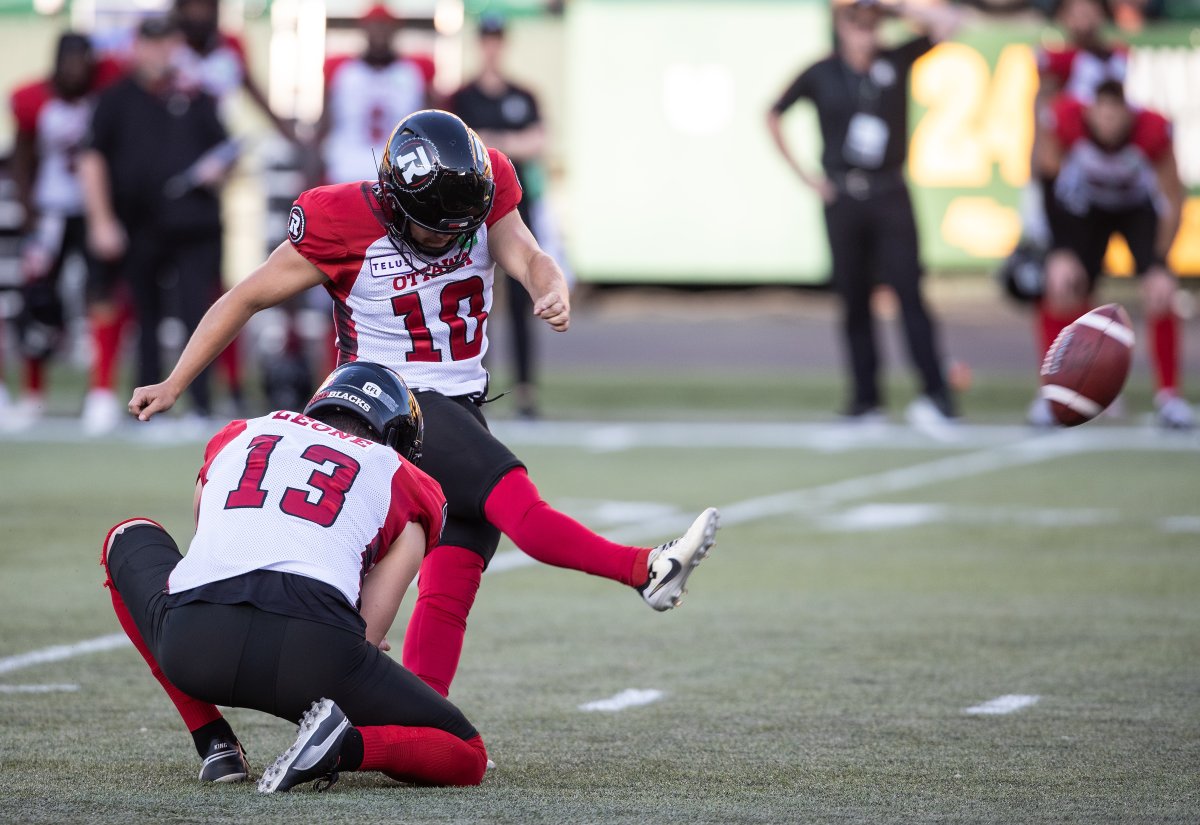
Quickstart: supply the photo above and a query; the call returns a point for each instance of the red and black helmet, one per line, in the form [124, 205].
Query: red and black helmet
[437, 174]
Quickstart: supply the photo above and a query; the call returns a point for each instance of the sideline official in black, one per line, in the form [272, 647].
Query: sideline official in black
[861, 96]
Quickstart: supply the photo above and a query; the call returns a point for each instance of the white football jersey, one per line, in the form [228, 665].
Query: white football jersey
[290, 494]
[365, 103]
[430, 325]
[61, 127]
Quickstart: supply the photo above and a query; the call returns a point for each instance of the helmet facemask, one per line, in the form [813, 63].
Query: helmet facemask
[436, 174]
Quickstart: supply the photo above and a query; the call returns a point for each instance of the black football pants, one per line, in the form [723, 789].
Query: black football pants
[874, 240]
[241, 656]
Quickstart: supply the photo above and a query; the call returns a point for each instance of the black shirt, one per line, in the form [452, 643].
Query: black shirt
[840, 94]
[513, 110]
[148, 138]
[287, 594]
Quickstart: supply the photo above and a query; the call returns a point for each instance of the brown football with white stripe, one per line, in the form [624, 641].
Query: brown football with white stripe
[1086, 366]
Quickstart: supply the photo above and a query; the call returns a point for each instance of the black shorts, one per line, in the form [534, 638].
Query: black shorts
[242, 656]
[464, 457]
[1088, 235]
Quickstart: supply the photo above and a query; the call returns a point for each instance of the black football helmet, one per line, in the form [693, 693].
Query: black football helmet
[1022, 274]
[379, 397]
[435, 173]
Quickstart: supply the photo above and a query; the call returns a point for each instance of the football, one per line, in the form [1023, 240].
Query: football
[1086, 366]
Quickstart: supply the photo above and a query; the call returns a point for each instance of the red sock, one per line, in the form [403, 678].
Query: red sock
[106, 336]
[1051, 324]
[35, 376]
[446, 590]
[1164, 349]
[551, 537]
[428, 756]
[195, 713]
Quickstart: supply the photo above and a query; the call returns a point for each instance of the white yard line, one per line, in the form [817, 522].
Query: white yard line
[806, 501]
[63, 688]
[60, 652]
[1001, 705]
[628, 698]
[615, 436]
[809, 501]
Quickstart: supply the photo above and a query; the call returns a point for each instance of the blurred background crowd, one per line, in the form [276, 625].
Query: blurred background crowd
[151, 151]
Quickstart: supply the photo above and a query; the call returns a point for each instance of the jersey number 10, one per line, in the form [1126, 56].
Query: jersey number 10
[454, 294]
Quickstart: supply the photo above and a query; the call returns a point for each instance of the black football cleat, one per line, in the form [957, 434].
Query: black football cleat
[314, 755]
[225, 762]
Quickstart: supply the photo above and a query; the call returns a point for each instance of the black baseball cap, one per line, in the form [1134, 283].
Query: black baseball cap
[157, 27]
[491, 24]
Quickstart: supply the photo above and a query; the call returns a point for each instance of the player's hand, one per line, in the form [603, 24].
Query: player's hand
[1158, 291]
[555, 310]
[149, 401]
[1066, 283]
[107, 239]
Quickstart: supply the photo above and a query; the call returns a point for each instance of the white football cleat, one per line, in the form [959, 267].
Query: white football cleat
[925, 416]
[1174, 413]
[315, 753]
[101, 413]
[670, 564]
[27, 412]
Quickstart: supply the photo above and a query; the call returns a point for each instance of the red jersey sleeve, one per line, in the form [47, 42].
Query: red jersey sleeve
[27, 102]
[217, 443]
[424, 64]
[1152, 134]
[314, 228]
[108, 71]
[508, 188]
[415, 497]
[1067, 120]
[235, 45]
[332, 64]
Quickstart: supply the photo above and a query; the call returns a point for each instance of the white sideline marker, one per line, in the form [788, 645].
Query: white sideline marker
[1009, 703]
[64, 688]
[629, 698]
[60, 652]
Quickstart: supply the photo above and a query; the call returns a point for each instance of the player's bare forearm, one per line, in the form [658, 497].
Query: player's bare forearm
[513, 247]
[284, 274]
[383, 589]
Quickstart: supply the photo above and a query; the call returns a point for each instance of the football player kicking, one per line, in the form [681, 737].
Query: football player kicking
[409, 261]
[309, 528]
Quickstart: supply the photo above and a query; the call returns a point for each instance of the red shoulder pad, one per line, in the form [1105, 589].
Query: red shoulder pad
[424, 64]
[332, 64]
[217, 443]
[1069, 124]
[508, 188]
[1152, 133]
[235, 45]
[27, 102]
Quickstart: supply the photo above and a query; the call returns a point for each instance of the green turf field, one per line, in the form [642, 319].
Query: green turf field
[866, 590]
